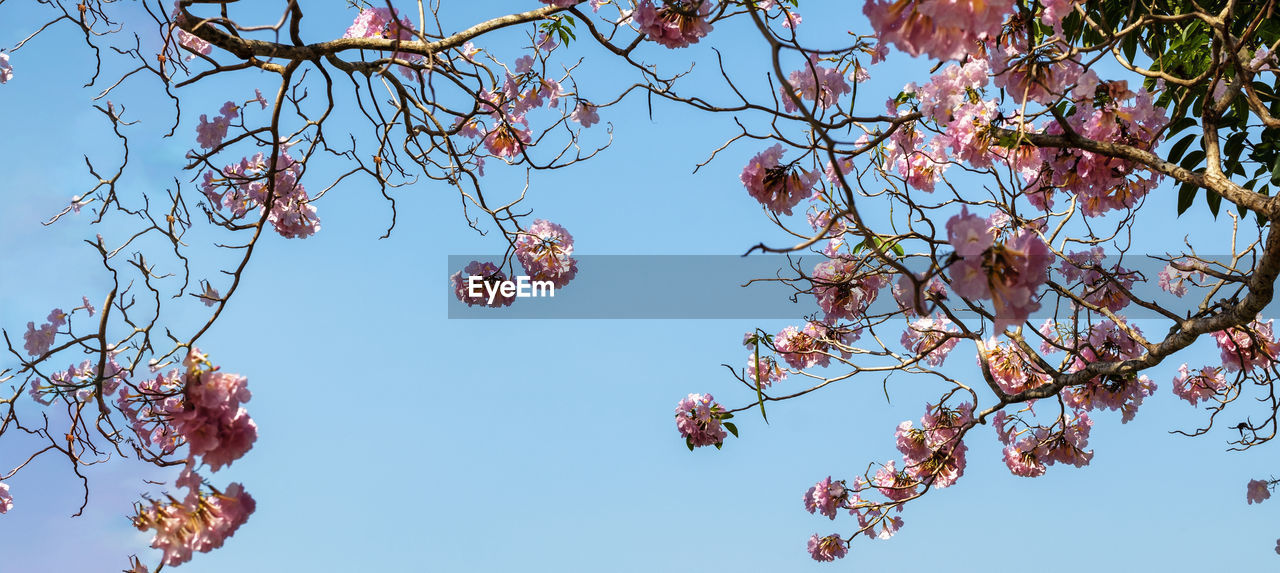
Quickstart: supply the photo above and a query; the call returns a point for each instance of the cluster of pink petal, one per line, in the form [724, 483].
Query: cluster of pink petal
[489, 274]
[244, 188]
[1106, 183]
[905, 294]
[192, 42]
[545, 251]
[920, 165]
[1029, 456]
[1200, 385]
[201, 523]
[842, 291]
[6, 70]
[1257, 492]
[507, 139]
[1174, 280]
[776, 186]
[211, 420]
[943, 30]
[826, 497]
[37, 341]
[82, 381]
[382, 23]
[1040, 76]
[698, 419]
[930, 334]
[1125, 395]
[1248, 348]
[211, 133]
[1011, 368]
[933, 453]
[773, 372]
[585, 114]
[816, 83]
[675, 23]
[893, 484]
[950, 89]
[6, 499]
[1101, 289]
[827, 548]
[149, 410]
[803, 348]
[1008, 273]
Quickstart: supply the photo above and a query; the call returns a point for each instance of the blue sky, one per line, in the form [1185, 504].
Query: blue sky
[392, 438]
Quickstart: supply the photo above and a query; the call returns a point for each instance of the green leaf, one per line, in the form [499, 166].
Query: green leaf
[732, 428]
[1180, 147]
[1214, 200]
[760, 376]
[1186, 195]
[689, 443]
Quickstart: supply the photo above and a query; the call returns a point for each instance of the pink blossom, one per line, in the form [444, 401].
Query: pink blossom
[382, 23]
[826, 497]
[1258, 491]
[934, 453]
[1041, 75]
[210, 133]
[6, 500]
[803, 348]
[211, 420]
[507, 140]
[827, 548]
[1247, 348]
[816, 83]
[244, 188]
[1104, 289]
[1021, 459]
[38, 340]
[1174, 280]
[545, 250]
[6, 70]
[893, 484]
[674, 24]
[776, 186]
[1012, 370]
[905, 293]
[791, 20]
[773, 372]
[489, 279]
[195, 44]
[930, 334]
[698, 417]
[560, 3]
[210, 296]
[843, 290]
[1125, 395]
[585, 114]
[943, 30]
[1200, 385]
[88, 307]
[969, 234]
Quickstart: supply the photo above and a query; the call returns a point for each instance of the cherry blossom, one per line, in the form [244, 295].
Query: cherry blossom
[698, 417]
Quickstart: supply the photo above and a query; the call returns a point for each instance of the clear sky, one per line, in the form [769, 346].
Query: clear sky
[392, 438]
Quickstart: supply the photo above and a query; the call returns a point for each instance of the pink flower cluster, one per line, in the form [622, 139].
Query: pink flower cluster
[803, 348]
[585, 114]
[778, 187]
[1174, 280]
[929, 337]
[196, 44]
[904, 292]
[211, 420]
[816, 83]
[1105, 183]
[202, 522]
[1200, 385]
[1030, 455]
[6, 499]
[382, 23]
[1010, 367]
[490, 277]
[826, 497]
[773, 372]
[80, 381]
[545, 250]
[1108, 342]
[1258, 491]
[37, 341]
[699, 419]
[1101, 287]
[209, 134]
[843, 290]
[1007, 273]
[243, 188]
[932, 454]
[827, 548]
[675, 23]
[942, 30]
[1041, 75]
[1248, 348]
[6, 70]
